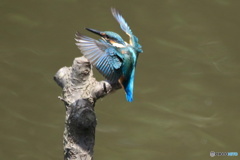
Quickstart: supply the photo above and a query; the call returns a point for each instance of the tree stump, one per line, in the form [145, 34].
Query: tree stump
[80, 93]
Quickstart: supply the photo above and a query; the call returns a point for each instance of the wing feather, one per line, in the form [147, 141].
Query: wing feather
[123, 24]
[101, 55]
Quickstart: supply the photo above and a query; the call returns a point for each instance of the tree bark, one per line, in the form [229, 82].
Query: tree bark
[80, 93]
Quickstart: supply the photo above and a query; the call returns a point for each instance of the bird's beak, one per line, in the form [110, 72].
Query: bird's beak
[95, 31]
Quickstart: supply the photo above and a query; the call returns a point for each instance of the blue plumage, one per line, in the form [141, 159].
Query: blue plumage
[114, 58]
[129, 86]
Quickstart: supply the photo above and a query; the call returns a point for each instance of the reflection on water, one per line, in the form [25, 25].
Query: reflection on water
[187, 81]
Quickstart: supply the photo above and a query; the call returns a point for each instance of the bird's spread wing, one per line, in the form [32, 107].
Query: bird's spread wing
[104, 57]
[123, 24]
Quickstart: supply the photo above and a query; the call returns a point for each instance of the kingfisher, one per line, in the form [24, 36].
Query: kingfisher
[114, 58]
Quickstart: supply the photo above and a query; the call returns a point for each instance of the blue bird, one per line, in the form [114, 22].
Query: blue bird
[114, 58]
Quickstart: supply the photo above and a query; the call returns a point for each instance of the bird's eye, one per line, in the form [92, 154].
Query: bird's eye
[107, 36]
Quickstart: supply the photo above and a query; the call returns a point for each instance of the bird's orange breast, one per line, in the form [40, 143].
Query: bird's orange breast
[121, 80]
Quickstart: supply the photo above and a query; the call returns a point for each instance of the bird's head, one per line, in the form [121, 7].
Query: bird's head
[110, 37]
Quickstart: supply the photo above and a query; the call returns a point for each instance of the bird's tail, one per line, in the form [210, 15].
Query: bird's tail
[128, 86]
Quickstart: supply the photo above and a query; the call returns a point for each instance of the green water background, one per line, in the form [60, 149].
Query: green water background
[187, 90]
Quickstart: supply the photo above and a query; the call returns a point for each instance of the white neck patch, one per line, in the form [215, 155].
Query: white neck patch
[119, 45]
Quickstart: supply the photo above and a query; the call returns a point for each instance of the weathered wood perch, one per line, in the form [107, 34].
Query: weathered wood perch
[80, 93]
